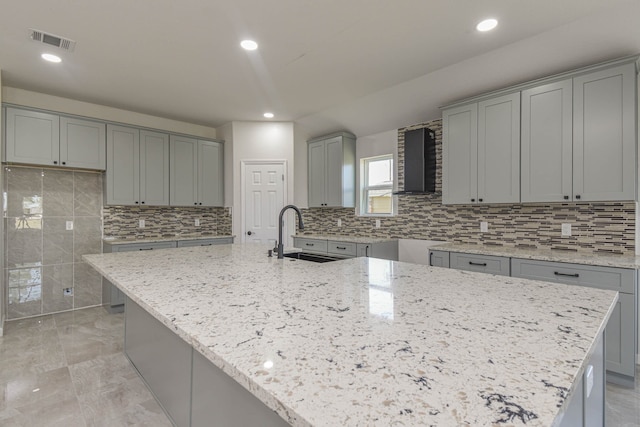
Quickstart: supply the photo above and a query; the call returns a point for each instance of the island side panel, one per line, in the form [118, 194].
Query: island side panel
[162, 359]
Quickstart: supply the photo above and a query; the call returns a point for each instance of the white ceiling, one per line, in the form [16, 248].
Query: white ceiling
[364, 66]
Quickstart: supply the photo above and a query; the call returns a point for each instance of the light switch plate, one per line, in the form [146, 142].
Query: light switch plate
[484, 226]
[69, 225]
[566, 230]
[197, 222]
[141, 223]
[339, 223]
[378, 223]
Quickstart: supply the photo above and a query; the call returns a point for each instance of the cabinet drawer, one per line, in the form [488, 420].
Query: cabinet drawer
[310, 244]
[480, 263]
[616, 279]
[143, 246]
[439, 259]
[204, 242]
[342, 248]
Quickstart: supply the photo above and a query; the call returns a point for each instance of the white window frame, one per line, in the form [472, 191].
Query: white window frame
[364, 168]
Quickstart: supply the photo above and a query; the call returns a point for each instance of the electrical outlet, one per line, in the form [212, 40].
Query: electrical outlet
[197, 222]
[378, 223]
[339, 223]
[141, 223]
[69, 225]
[484, 226]
[67, 292]
[566, 230]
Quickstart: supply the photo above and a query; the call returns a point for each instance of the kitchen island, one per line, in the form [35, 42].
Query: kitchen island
[363, 341]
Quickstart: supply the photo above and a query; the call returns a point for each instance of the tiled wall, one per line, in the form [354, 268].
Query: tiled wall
[122, 222]
[596, 227]
[42, 256]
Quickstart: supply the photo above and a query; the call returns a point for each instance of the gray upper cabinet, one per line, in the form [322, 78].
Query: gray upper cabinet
[331, 170]
[460, 154]
[604, 134]
[82, 143]
[547, 152]
[40, 138]
[210, 173]
[196, 172]
[578, 138]
[481, 152]
[137, 167]
[154, 168]
[123, 166]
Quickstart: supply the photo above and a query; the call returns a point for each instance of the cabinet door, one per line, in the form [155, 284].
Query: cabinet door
[363, 250]
[547, 139]
[334, 172]
[460, 155]
[620, 337]
[316, 173]
[123, 165]
[210, 174]
[32, 137]
[604, 134]
[183, 177]
[82, 143]
[439, 259]
[499, 150]
[154, 168]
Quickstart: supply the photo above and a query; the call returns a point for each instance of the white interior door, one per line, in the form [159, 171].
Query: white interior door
[264, 197]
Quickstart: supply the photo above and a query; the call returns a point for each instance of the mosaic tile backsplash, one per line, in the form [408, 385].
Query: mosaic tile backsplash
[596, 227]
[43, 253]
[122, 222]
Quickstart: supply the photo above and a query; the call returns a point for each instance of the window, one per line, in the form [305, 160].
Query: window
[377, 185]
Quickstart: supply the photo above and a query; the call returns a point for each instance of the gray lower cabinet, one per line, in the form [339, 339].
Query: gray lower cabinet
[439, 258]
[384, 250]
[621, 329]
[112, 297]
[205, 242]
[480, 263]
[163, 360]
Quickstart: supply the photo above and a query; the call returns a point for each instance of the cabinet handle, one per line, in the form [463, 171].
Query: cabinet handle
[431, 258]
[55, 162]
[473, 200]
[481, 264]
[341, 248]
[196, 203]
[577, 196]
[480, 200]
[566, 197]
[64, 163]
[136, 202]
[142, 203]
[200, 203]
[557, 273]
[146, 249]
[207, 244]
[366, 251]
[309, 244]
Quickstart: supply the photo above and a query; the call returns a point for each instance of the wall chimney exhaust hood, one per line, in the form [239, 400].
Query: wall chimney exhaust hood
[419, 162]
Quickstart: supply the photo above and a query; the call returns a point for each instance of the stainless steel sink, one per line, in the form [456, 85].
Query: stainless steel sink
[306, 256]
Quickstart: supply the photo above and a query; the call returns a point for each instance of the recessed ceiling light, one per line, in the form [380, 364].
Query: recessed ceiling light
[487, 25]
[51, 58]
[268, 115]
[249, 45]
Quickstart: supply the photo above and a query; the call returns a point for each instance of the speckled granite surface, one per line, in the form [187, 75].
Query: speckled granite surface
[160, 239]
[337, 238]
[620, 261]
[369, 342]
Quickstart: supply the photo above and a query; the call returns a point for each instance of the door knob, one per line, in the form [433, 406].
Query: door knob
[249, 233]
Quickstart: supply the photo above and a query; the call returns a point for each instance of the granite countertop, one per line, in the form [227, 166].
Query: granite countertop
[337, 238]
[115, 241]
[370, 342]
[556, 255]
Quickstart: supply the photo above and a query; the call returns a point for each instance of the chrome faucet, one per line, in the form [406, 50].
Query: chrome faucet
[281, 223]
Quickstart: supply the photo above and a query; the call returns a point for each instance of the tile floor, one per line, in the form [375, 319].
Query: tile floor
[68, 370]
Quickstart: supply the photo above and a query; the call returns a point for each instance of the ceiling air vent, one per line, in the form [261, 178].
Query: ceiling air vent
[52, 40]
